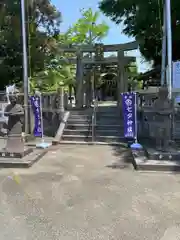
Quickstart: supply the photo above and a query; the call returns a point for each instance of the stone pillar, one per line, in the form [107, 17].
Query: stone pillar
[61, 99]
[66, 100]
[125, 80]
[70, 95]
[120, 78]
[88, 89]
[59, 104]
[79, 80]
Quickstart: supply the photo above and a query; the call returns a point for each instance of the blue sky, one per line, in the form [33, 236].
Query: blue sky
[70, 14]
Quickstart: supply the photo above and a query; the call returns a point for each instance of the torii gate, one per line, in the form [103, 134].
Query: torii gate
[121, 60]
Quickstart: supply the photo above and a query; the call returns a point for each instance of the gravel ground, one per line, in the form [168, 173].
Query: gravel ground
[76, 192]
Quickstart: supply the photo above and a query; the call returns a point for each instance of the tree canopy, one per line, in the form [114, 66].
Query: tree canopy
[143, 20]
[46, 61]
[87, 29]
[44, 41]
[42, 26]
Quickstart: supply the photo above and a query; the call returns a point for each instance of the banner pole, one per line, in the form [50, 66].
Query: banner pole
[42, 125]
[42, 144]
[135, 109]
[136, 146]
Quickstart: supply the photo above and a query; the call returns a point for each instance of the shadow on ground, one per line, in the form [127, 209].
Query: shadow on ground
[123, 155]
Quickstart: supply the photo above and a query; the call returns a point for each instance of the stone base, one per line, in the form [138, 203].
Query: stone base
[7, 154]
[172, 154]
[24, 162]
[28, 137]
[149, 160]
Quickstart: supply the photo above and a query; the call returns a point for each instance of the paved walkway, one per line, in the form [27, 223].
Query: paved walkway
[74, 195]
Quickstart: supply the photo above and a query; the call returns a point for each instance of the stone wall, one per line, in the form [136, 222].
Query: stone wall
[146, 115]
[52, 110]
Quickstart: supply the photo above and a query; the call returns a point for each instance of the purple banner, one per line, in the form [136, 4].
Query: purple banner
[129, 114]
[36, 106]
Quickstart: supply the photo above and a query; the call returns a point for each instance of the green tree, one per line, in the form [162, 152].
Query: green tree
[143, 20]
[87, 29]
[57, 73]
[41, 14]
[133, 76]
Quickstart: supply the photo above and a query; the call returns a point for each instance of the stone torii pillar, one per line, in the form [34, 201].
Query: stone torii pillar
[88, 88]
[120, 78]
[79, 81]
[125, 80]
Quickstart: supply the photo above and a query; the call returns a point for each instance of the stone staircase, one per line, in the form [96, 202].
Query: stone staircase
[108, 130]
[78, 127]
[109, 125]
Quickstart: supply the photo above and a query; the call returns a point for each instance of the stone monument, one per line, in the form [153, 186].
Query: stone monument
[15, 114]
[15, 145]
[159, 153]
[16, 153]
[162, 108]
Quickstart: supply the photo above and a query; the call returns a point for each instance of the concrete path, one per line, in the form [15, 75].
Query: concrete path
[73, 193]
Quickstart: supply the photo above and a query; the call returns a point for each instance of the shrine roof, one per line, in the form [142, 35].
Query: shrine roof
[151, 77]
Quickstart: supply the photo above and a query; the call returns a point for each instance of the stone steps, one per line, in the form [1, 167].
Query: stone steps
[94, 142]
[108, 117]
[76, 116]
[98, 132]
[80, 138]
[78, 126]
[78, 121]
[83, 132]
[86, 126]
[101, 122]
[108, 129]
